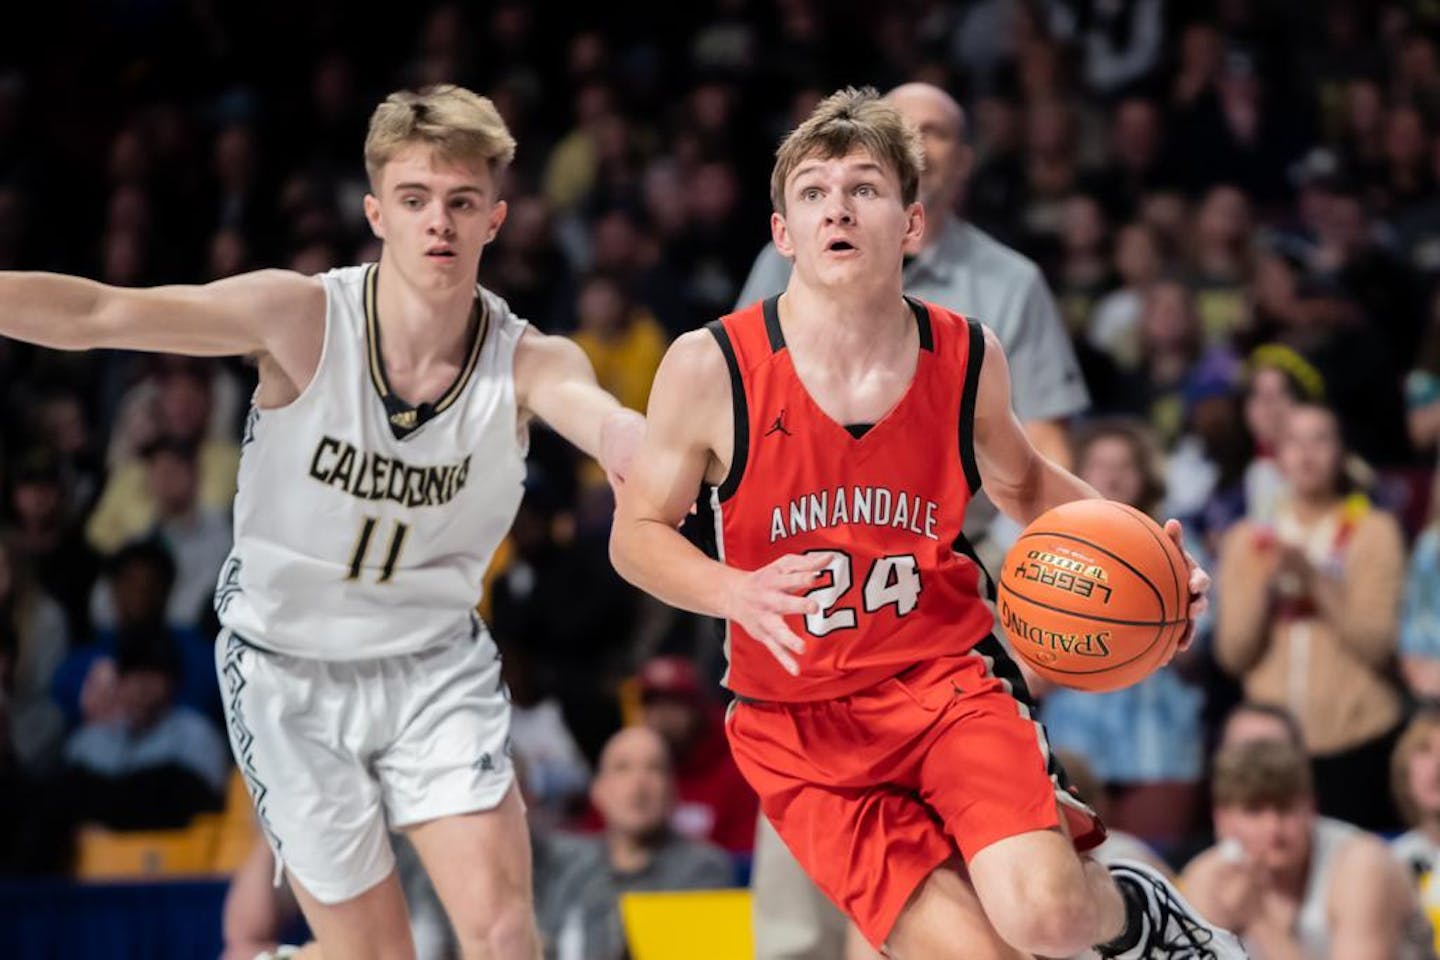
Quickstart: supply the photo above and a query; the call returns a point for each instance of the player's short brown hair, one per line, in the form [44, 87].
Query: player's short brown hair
[1425, 722]
[1261, 773]
[461, 125]
[844, 121]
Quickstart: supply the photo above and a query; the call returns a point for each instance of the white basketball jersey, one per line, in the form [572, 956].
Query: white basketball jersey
[363, 527]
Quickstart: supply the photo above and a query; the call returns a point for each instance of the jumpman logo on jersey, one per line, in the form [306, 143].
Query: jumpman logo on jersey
[778, 425]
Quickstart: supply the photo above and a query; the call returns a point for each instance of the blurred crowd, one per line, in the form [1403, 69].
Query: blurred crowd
[1235, 206]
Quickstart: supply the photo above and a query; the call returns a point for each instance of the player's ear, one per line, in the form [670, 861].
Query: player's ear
[914, 227]
[372, 216]
[497, 219]
[781, 235]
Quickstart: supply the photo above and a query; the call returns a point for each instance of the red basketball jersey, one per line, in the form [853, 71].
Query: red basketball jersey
[887, 507]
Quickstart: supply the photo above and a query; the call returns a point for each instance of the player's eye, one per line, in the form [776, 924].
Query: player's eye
[412, 203]
[810, 193]
[865, 190]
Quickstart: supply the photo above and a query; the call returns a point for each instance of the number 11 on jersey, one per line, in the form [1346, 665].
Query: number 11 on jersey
[362, 547]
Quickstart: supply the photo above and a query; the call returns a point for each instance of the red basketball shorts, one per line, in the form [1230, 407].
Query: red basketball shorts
[873, 791]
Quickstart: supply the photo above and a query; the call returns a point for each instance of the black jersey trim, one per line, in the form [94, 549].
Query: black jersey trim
[405, 418]
[738, 410]
[973, 360]
[922, 323]
[772, 324]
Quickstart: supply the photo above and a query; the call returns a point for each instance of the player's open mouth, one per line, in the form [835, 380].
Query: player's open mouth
[840, 246]
[444, 252]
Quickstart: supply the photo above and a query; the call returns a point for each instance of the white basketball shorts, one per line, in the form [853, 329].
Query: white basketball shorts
[337, 753]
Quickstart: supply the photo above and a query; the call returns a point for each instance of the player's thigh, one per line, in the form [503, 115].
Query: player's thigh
[944, 919]
[451, 753]
[986, 768]
[793, 920]
[298, 735]
[480, 865]
[371, 926]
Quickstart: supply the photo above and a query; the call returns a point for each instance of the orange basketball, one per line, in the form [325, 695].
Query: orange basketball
[1094, 595]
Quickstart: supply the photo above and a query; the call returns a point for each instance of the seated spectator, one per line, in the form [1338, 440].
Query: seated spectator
[183, 403]
[1248, 722]
[1220, 262]
[1292, 883]
[36, 727]
[1143, 742]
[714, 801]
[1420, 618]
[153, 763]
[198, 536]
[1308, 616]
[1114, 326]
[139, 580]
[1422, 388]
[578, 913]
[49, 540]
[1415, 781]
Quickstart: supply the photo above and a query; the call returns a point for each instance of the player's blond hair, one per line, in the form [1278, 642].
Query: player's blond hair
[461, 125]
[1261, 773]
[844, 121]
[1425, 722]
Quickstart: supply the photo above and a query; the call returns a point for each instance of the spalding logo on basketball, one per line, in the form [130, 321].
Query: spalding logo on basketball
[1094, 595]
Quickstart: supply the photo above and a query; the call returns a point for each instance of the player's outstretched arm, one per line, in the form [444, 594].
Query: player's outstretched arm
[251, 313]
[688, 426]
[1019, 479]
[555, 382]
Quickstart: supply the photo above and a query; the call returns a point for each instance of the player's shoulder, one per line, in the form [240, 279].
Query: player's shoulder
[697, 354]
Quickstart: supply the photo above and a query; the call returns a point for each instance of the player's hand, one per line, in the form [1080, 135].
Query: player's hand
[760, 600]
[1199, 583]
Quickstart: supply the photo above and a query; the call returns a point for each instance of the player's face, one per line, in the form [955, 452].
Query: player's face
[435, 215]
[1277, 837]
[1423, 774]
[845, 223]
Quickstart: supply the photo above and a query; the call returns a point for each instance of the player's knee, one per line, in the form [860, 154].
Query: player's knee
[1049, 919]
[506, 932]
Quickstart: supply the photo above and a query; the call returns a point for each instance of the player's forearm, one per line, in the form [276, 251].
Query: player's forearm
[656, 558]
[1043, 486]
[51, 310]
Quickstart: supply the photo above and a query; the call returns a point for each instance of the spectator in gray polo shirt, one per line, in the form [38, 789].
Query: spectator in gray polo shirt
[962, 268]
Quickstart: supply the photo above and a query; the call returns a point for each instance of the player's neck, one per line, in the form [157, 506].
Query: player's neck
[846, 329]
[421, 328]
[1429, 826]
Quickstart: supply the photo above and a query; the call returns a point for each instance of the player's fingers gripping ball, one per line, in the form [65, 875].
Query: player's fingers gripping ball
[1094, 595]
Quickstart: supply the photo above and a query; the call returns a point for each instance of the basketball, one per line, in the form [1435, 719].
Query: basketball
[1094, 595]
